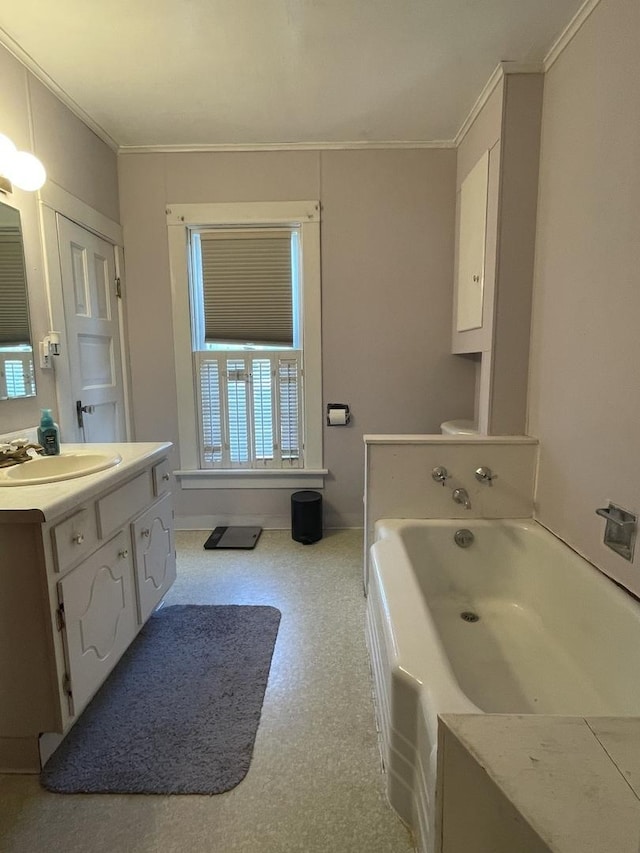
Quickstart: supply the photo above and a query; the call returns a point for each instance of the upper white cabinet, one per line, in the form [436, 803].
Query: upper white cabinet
[497, 183]
[472, 229]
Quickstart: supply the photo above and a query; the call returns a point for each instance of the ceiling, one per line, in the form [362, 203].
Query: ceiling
[245, 72]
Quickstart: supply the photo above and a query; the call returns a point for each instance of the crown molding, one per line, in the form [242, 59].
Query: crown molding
[499, 73]
[283, 146]
[481, 100]
[40, 74]
[569, 32]
[502, 69]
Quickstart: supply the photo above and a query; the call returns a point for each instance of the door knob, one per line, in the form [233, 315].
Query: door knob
[80, 410]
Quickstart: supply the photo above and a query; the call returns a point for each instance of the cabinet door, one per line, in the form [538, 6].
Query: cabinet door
[99, 616]
[155, 555]
[471, 246]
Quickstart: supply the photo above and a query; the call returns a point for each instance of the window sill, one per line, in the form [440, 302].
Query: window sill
[272, 478]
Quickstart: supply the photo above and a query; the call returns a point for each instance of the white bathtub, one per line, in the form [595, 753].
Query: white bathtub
[554, 636]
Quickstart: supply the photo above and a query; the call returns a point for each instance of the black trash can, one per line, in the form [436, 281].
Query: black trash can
[306, 517]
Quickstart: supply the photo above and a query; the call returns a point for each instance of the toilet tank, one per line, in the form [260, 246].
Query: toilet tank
[459, 427]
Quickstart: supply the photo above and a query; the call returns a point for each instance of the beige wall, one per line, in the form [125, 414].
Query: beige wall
[387, 268]
[584, 403]
[77, 161]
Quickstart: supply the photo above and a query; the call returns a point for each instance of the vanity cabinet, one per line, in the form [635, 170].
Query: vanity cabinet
[75, 589]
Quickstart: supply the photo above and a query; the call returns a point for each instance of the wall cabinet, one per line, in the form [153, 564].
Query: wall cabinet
[497, 183]
[76, 591]
[472, 227]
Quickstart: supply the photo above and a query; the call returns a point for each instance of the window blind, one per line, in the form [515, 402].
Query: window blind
[14, 312]
[246, 281]
[250, 409]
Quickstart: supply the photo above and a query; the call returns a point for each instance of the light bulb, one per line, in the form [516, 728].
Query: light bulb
[7, 153]
[26, 172]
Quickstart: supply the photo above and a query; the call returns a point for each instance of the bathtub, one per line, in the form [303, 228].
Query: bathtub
[516, 623]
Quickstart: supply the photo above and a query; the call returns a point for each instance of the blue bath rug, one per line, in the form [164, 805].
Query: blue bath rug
[179, 713]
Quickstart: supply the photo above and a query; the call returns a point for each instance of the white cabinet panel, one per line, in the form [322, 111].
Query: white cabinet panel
[74, 538]
[155, 556]
[99, 616]
[122, 504]
[471, 246]
[161, 477]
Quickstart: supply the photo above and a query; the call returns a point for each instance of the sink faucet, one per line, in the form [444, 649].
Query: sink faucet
[461, 496]
[17, 451]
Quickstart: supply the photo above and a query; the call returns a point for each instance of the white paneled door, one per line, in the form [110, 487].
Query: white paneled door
[87, 265]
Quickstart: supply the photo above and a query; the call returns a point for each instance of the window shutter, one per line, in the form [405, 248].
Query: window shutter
[246, 280]
[289, 405]
[14, 313]
[250, 409]
[211, 413]
[263, 400]
[237, 380]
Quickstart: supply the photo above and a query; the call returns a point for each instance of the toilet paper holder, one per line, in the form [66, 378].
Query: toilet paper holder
[338, 414]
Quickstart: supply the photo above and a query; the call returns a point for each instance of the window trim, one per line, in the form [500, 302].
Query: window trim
[306, 216]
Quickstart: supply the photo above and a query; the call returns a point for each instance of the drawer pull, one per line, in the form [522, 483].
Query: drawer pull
[146, 532]
[123, 554]
[165, 477]
[78, 538]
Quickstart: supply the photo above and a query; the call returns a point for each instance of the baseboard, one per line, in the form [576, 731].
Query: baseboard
[350, 521]
[208, 522]
[19, 755]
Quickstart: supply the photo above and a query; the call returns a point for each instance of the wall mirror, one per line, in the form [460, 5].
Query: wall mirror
[17, 375]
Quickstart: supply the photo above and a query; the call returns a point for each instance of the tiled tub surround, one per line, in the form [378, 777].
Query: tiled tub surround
[554, 636]
[83, 562]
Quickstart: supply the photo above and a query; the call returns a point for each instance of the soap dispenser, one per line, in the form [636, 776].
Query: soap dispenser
[49, 434]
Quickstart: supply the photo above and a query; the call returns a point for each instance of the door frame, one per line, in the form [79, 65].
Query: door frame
[53, 201]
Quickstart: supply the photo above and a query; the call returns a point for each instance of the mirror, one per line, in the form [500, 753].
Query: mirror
[17, 375]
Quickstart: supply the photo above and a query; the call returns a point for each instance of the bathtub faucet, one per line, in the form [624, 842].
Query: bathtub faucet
[461, 496]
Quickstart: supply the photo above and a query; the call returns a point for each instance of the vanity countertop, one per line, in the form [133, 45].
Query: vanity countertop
[45, 501]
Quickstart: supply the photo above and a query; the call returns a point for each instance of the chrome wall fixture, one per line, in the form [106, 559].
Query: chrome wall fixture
[620, 531]
[485, 475]
[461, 496]
[19, 168]
[439, 474]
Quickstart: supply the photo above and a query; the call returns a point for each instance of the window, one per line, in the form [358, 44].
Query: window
[16, 372]
[246, 294]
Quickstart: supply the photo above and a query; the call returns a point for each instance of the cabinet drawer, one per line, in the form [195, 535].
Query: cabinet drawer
[154, 555]
[161, 478]
[74, 538]
[117, 508]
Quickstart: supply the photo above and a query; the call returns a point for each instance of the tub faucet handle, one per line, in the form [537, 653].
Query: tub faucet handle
[440, 474]
[485, 475]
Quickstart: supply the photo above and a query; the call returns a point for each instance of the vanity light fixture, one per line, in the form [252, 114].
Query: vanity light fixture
[19, 168]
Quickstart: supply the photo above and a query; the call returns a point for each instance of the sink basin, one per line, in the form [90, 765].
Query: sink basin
[51, 469]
